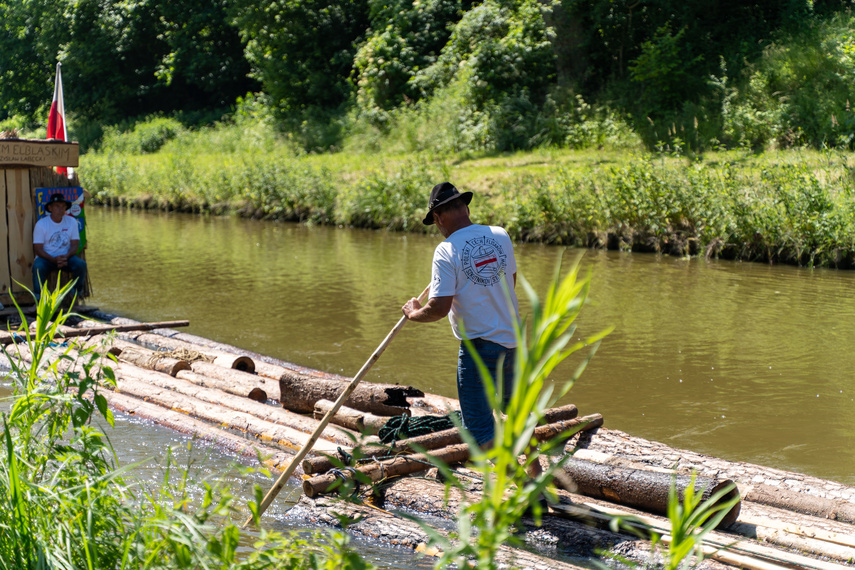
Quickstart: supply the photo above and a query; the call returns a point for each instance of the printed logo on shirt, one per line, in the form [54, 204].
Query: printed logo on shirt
[484, 261]
[58, 241]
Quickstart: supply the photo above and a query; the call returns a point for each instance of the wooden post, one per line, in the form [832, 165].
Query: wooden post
[20, 212]
[5, 270]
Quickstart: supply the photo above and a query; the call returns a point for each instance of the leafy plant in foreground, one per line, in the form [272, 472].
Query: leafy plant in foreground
[67, 504]
[487, 524]
[691, 520]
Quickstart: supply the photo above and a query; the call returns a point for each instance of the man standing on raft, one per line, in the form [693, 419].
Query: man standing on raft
[469, 269]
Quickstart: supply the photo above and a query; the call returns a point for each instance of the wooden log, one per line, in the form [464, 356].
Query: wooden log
[268, 415]
[150, 360]
[791, 541]
[299, 392]
[235, 360]
[244, 380]
[796, 492]
[404, 465]
[6, 338]
[408, 464]
[142, 383]
[717, 545]
[641, 489]
[793, 528]
[240, 362]
[363, 422]
[436, 440]
[258, 390]
[834, 509]
[272, 424]
[276, 366]
[220, 438]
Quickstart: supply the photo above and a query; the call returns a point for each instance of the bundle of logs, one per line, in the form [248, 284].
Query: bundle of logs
[213, 391]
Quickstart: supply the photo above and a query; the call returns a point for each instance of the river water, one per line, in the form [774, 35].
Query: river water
[744, 361]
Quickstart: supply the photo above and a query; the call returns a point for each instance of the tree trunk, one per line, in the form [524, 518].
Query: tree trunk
[240, 380]
[257, 392]
[299, 393]
[239, 362]
[151, 360]
[403, 465]
[203, 344]
[775, 487]
[362, 422]
[641, 489]
[142, 384]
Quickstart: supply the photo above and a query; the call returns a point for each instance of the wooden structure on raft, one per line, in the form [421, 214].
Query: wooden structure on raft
[240, 401]
[25, 166]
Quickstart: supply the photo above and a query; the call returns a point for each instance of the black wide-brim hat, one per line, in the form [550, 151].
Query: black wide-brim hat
[55, 198]
[443, 193]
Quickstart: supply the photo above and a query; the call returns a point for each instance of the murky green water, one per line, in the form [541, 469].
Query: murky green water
[744, 361]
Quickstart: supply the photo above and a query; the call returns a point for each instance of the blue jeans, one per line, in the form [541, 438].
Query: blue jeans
[474, 405]
[42, 268]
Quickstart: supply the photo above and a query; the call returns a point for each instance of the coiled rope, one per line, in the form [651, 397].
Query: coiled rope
[402, 427]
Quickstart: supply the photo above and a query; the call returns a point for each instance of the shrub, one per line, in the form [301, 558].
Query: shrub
[145, 137]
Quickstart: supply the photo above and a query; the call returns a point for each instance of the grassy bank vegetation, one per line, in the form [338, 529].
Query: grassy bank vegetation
[792, 206]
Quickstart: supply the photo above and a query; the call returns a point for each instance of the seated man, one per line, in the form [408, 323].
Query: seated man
[55, 241]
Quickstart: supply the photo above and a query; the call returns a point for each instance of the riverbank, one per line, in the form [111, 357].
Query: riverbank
[792, 207]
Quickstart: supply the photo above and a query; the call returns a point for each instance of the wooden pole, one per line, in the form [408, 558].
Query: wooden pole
[280, 482]
[7, 338]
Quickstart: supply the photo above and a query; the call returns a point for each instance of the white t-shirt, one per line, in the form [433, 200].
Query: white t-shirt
[471, 265]
[56, 237]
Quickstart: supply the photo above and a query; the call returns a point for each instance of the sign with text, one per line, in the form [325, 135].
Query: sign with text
[73, 194]
[16, 152]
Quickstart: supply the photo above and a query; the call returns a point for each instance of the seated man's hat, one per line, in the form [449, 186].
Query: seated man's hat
[54, 198]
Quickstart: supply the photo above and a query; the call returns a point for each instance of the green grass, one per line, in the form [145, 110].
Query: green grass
[790, 206]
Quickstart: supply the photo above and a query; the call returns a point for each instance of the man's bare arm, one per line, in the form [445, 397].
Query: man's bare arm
[435, 309]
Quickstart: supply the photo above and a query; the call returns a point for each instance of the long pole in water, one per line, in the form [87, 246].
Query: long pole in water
[280, 482]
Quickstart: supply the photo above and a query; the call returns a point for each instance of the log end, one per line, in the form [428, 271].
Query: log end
[178, 366]
[258, 395]
[244, 364]
[733, 514]
[308, 488]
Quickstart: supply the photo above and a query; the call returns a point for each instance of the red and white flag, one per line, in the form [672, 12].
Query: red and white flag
[56, 128]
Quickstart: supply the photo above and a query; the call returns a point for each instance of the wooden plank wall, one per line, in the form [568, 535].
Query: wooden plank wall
[20, 216]
[5, 271]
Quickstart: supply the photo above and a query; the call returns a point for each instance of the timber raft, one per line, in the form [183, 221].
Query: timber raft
[255, 405]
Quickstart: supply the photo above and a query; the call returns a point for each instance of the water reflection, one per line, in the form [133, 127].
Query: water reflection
[744, 361]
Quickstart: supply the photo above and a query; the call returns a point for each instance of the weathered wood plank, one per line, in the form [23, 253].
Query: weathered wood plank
[20, 214]
[5, 274]
[15, 152]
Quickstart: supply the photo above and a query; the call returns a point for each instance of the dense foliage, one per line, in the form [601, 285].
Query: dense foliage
[487, 75]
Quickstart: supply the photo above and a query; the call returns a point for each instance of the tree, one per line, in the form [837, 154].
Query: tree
[302, 50]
